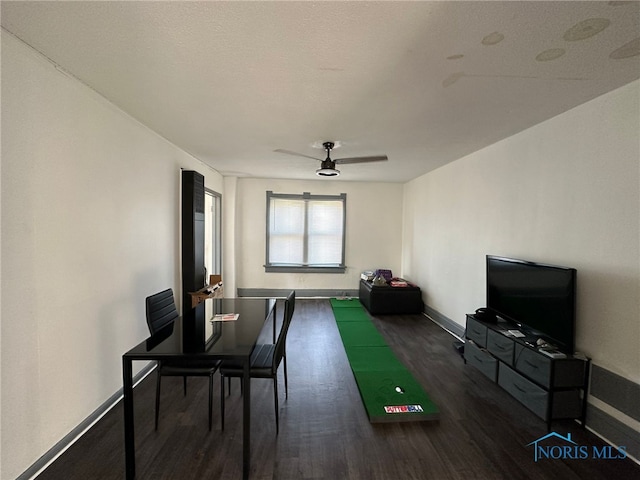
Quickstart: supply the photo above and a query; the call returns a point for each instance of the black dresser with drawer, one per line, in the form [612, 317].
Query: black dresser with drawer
[552, 388]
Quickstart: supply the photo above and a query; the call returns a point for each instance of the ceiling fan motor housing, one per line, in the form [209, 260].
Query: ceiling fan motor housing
[327, 168]
[328, 163]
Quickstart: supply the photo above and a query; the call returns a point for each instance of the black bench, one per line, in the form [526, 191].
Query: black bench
[388, 300]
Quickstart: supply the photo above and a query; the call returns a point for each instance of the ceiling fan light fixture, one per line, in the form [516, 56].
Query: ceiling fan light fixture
[328, 166]
[327, 172]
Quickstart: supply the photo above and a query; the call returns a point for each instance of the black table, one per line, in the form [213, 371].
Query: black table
[224, 340]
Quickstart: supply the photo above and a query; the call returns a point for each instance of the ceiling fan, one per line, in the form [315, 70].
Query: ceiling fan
[328, 166]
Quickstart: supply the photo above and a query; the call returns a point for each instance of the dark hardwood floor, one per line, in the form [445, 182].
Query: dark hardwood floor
[324, 431]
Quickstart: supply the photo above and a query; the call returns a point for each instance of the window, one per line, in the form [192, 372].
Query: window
[305, 232]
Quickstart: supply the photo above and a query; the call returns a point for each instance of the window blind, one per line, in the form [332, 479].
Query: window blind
[305, 230]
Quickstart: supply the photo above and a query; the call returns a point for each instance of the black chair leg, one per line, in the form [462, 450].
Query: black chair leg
[275, 401]
[286, 382]
[157, 397]
[184, 385]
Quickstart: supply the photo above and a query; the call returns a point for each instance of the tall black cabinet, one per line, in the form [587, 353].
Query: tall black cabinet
[193, 267]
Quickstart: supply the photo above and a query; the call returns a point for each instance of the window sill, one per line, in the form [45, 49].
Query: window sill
[303, 269]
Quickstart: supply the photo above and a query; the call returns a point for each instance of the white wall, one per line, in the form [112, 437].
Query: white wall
[566, 192]
[90, 227]
[373, 232]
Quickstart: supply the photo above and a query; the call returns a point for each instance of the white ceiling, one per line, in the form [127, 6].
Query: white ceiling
[422, 82]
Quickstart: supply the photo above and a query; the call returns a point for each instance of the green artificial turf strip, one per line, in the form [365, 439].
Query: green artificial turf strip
[345, 303]
[378, 390]
[378, 373]
[373, 359]
[360, 334]
[351, 315]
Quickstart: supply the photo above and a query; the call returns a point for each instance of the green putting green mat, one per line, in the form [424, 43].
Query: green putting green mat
[373, 359]
[360, 334]
[345, 303]
[389, 392]
[394, 396]
[352, 315]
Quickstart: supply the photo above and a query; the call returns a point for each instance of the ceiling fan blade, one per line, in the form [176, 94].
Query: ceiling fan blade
[344, 161]
[289, 152]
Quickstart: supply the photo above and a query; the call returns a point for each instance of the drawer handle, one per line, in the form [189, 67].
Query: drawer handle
[500, 347]
[517, 387]
[532, 365]
[477, 359]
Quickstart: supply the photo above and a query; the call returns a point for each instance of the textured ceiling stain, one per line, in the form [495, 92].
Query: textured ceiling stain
[586, 29]
[493, 38]
[551, 54]
[451, 79]
[628, 50]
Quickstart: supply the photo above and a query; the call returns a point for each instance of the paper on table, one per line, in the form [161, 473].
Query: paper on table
[225, 317]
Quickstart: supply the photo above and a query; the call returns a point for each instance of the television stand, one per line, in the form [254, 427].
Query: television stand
[552, 388]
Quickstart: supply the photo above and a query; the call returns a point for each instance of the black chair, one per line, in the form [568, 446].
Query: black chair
[161, 314]
[265, 360]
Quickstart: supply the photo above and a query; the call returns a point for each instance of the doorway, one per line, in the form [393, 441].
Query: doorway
[212, 238]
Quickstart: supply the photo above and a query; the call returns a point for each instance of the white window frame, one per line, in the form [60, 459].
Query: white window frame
[304, 267]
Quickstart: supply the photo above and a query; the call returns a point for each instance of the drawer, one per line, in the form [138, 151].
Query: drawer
[548, 372]
[565, 403]
[534, 365]
[481, 360]
[476, 331]
[528, 393]
[500, 346]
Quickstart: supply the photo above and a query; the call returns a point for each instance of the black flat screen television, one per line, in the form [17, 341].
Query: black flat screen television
[539, 298]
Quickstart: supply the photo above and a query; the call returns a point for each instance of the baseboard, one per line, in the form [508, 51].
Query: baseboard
[452, 327]
[619, 392]
[300, 293]
[70, 438]
[613, 431]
